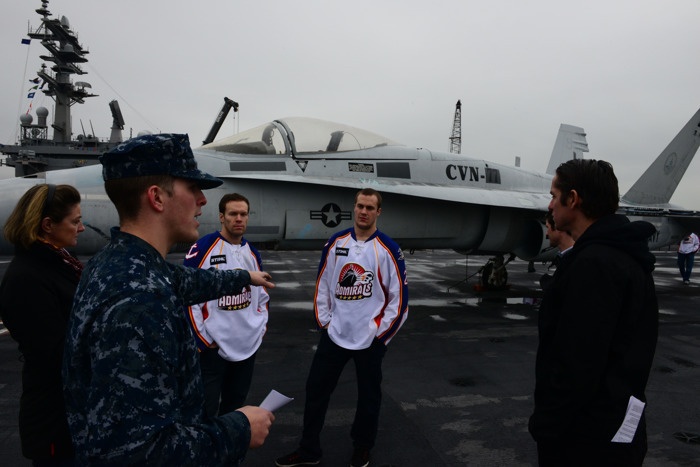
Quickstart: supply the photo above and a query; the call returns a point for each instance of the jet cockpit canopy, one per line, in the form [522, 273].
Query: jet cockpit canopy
[300, 137]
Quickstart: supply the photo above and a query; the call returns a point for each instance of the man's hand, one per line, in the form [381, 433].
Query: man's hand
[261, 278]
[260, 421]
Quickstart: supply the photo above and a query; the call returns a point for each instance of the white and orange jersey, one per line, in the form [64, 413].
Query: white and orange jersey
[361, 289]
[233, 323]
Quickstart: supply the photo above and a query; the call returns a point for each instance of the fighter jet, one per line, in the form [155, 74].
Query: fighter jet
[301, 176]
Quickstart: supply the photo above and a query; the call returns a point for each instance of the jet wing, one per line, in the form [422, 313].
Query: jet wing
[497, 198]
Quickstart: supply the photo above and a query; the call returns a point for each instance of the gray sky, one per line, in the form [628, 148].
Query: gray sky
[625, 70]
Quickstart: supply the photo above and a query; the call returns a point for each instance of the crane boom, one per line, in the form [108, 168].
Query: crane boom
[228, 103]
[456, 136]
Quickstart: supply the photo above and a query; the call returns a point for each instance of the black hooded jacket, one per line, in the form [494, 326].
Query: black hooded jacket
[598, 326]
[36, 295]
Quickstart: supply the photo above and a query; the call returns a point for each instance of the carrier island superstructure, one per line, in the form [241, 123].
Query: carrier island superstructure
[36, 150]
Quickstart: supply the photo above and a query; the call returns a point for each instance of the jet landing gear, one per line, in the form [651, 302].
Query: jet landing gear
[494, 275]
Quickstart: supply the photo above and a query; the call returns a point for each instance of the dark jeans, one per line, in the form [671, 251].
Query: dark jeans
[579, 453]
[326, 368]
[226, 384]
[685, 264]
[53, 463]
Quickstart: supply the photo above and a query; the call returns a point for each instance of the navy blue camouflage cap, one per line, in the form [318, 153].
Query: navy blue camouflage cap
[162, 154]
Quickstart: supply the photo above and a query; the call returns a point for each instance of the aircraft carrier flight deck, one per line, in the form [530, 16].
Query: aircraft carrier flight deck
[458, 377]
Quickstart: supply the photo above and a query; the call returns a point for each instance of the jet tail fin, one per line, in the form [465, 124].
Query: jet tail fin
[570, 144]
[659, 182]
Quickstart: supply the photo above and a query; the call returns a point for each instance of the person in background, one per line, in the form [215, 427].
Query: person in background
[36, 295]
[133, 386]
[598, 326]
[686, 256]
[361, 301]
[230, 328]
[559, 239]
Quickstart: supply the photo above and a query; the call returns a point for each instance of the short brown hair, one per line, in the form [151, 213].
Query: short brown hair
[370, 192]
[549, 219]
[126, 193]
[227, 198]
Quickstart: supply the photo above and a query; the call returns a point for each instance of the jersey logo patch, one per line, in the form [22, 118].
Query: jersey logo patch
[354, 283]
[236, 302]
[341, 251]
[218, 259]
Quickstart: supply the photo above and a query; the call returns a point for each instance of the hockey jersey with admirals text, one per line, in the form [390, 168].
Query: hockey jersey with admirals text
[234, 323]
[361, 289]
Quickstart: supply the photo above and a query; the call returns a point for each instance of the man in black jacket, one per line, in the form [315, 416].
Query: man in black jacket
[598, 327]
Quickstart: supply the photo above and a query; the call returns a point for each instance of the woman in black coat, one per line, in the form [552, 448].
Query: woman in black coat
[36, 295]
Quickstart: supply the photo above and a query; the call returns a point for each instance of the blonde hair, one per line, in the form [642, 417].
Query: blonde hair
[23, 226]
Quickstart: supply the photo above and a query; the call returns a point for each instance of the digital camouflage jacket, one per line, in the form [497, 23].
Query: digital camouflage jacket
[133, 387]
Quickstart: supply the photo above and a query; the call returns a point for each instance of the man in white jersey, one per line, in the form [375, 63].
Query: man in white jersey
[228, 330]
[361, 302]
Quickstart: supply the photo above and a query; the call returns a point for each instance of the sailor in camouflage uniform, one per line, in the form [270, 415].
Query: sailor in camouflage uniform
[133, 386]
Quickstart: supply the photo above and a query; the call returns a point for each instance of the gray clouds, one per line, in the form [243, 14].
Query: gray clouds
[626, 71]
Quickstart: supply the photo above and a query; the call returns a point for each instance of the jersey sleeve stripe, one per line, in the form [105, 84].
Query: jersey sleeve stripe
[400, 271]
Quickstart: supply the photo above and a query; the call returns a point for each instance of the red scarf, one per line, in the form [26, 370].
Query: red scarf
[66, 257]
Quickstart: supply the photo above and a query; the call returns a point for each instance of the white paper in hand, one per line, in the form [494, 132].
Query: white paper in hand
[275, 400]
[625, 434]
